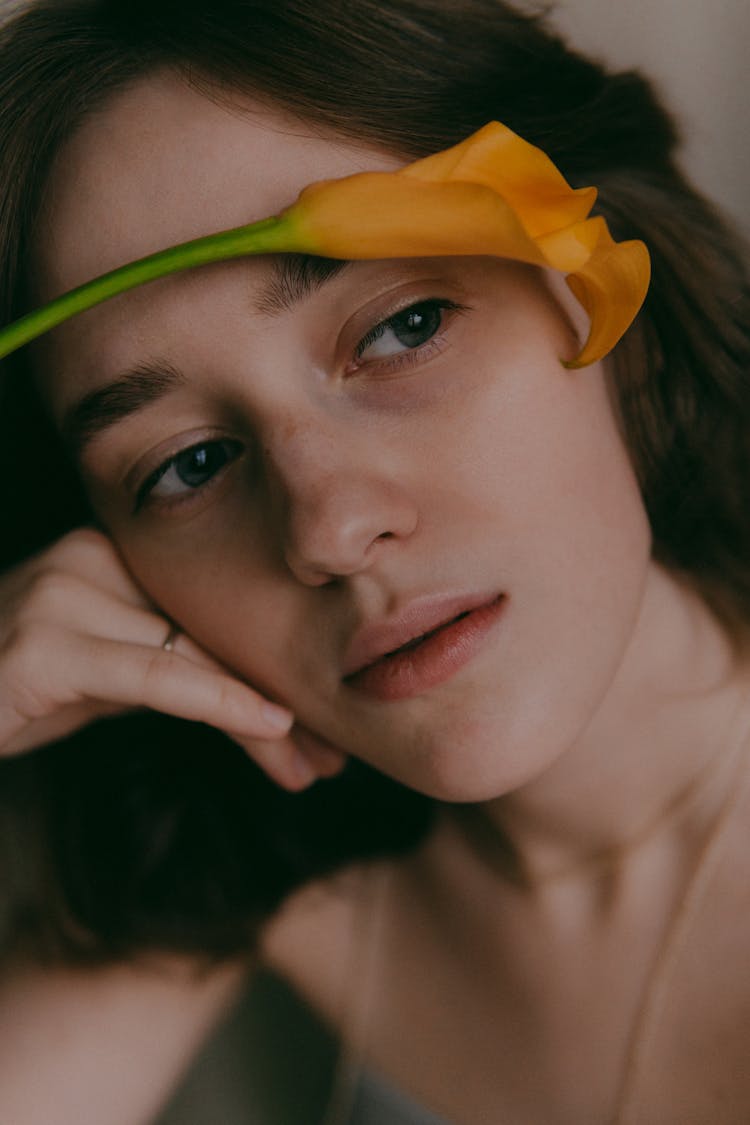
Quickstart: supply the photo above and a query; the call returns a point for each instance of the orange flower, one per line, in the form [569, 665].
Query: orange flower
[492, 194]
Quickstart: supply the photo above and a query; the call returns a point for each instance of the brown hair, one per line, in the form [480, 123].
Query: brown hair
[136, 851]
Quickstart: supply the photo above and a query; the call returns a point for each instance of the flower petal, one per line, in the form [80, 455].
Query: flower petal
[387, 215]
[492, 194]
[520, 172]
[611, 287]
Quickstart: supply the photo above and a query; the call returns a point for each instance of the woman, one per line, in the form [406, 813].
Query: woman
[371, 494]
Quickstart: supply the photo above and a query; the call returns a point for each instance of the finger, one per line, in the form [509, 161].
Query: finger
[53, 728]
[85, 669]
[68, 601]
[281, 760]
[93, 557]
[191, 650]
[297, 761]
[323, 756]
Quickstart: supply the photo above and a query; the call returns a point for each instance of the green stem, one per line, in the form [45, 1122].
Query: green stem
[264, 237]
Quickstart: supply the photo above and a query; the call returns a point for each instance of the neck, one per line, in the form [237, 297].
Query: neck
[656, 741]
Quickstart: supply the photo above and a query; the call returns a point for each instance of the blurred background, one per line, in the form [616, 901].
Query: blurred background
[697, 52]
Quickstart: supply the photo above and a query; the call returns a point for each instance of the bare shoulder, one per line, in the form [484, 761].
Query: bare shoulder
[322, 938]
[312, 940]
[143, 1020]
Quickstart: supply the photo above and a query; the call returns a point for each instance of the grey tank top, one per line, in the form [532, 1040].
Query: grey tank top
[359, 1095]
[376, 1103]
[274, 1063]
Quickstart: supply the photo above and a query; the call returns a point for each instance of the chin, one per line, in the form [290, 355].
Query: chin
[477, 762]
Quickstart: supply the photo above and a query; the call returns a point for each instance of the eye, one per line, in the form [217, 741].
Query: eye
[406, 331]
[187, 471]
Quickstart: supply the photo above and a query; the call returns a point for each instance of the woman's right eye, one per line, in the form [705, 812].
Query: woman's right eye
[187, 471]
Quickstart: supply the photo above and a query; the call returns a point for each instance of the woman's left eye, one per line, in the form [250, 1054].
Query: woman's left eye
[187, 471]
[406, 331]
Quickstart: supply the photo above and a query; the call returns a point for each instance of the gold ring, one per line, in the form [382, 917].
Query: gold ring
[169, 641]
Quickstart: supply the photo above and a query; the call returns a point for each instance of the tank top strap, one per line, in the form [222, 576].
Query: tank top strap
[360, 979]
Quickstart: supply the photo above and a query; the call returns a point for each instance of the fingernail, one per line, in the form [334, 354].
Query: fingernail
[277, 717]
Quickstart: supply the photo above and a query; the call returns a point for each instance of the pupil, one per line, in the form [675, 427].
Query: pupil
[417, 325]
[196, 466]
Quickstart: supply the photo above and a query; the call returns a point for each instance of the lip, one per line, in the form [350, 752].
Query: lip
[377, 664]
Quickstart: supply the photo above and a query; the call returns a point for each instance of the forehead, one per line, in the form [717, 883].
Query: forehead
[163, 163]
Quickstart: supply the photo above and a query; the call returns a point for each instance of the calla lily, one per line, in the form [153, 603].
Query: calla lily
[493, 194]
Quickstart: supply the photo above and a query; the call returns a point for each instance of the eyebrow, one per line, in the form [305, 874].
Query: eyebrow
[294, 278]
[125, 395]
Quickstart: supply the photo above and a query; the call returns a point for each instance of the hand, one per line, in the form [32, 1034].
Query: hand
[80, 641]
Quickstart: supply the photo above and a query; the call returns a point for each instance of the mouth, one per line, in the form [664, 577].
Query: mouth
[426, 658]
[423, 637]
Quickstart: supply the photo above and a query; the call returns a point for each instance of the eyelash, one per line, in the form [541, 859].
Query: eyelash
[410, 355]
[233, 449]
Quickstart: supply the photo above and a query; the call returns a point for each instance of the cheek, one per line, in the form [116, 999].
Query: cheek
[548, 509]
[221, 593]
[579, 546]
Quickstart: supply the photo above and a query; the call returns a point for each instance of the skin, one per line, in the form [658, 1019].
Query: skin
[361, 483]
[478, 465]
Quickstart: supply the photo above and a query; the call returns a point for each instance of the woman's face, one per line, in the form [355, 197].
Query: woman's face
[308, 467]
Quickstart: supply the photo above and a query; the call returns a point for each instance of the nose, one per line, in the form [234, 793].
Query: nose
[336, 502]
